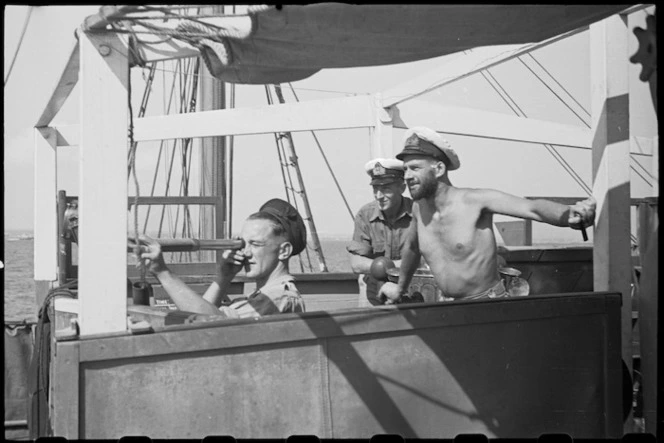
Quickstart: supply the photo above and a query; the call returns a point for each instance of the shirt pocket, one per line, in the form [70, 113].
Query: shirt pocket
[378, 248]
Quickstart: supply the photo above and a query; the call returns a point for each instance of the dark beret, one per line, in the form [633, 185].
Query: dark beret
[290, 219]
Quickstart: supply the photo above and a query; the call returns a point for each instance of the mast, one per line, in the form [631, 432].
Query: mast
[213, 154]
[292, 157]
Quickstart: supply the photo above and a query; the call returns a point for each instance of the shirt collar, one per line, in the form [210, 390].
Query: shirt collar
[406, 209]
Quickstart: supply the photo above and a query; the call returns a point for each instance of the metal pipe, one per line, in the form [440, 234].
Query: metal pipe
[192, 244]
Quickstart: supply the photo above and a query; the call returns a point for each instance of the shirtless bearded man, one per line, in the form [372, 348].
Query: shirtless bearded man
[453, 227]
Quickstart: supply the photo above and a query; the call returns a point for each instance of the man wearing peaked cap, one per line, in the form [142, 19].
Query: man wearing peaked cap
[424, 141]
[452, 227]
[271, 236]
[380, 225]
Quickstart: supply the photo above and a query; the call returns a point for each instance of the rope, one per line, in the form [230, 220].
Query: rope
[161, 146]
[133, 145]
[20, 41]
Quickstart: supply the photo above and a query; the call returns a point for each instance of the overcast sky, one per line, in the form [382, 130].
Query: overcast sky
[518, 168]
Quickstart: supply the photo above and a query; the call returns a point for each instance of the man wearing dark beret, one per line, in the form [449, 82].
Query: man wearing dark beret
[271, 236]
[452, 227]
[380, 226]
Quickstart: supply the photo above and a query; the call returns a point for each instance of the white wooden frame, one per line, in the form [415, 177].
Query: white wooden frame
[45, 222]
[612, 264]
[103, 198]
[103, 186]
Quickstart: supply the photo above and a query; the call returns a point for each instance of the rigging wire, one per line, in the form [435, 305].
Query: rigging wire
[578, 116]
[549, 147]
[168, 178]
[20, 41]
[554, 93]
[161, 147]
[558, 83]
[320, 148]
[133, 145]
[519, 112]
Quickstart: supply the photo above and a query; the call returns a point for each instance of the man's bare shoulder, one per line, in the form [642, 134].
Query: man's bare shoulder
[473, 195]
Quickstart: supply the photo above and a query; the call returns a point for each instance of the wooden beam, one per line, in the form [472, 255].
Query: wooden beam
[103, 186]
[67, 135]
[63, 88]
[465, 65]
[381, 133]
[339, 113]
[45, 223]
[612, 265]
[472, 122]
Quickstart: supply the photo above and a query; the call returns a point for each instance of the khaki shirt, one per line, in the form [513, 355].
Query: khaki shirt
[277, 296]
[374, 236]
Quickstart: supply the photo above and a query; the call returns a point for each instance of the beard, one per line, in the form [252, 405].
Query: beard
[426, 188]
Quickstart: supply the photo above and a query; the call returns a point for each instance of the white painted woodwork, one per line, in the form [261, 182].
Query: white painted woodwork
[457, 121]
[382, 131]
[67, 135]
[610, 159]
[64, 304]
[63, 88]
[338, 113]
[45, 204]
[466, 121]
[463, 66]
[102, 271]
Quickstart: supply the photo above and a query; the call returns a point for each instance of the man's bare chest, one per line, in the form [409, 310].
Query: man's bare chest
[452, 233]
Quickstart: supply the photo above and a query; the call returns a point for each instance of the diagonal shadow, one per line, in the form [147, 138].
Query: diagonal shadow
[429, 398]
[360, 376]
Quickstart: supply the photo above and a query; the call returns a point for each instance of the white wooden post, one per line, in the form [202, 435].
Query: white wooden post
[381, 131]
[102, 272]
[610, 159]
[45, 215]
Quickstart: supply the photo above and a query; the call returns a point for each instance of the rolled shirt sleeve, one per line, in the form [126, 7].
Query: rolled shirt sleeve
[361, 243]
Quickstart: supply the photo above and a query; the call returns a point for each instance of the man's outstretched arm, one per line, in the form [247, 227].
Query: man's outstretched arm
[577, 216]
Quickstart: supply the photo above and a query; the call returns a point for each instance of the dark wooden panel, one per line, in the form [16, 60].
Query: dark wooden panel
[66, 384]
[254, 393]
[507, 368]
[649, 321]
[486, 378]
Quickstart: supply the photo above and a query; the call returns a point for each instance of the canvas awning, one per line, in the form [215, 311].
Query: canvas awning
[275, 45]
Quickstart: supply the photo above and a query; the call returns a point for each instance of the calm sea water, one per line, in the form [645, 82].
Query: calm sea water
[19, 284]
[20, 287]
